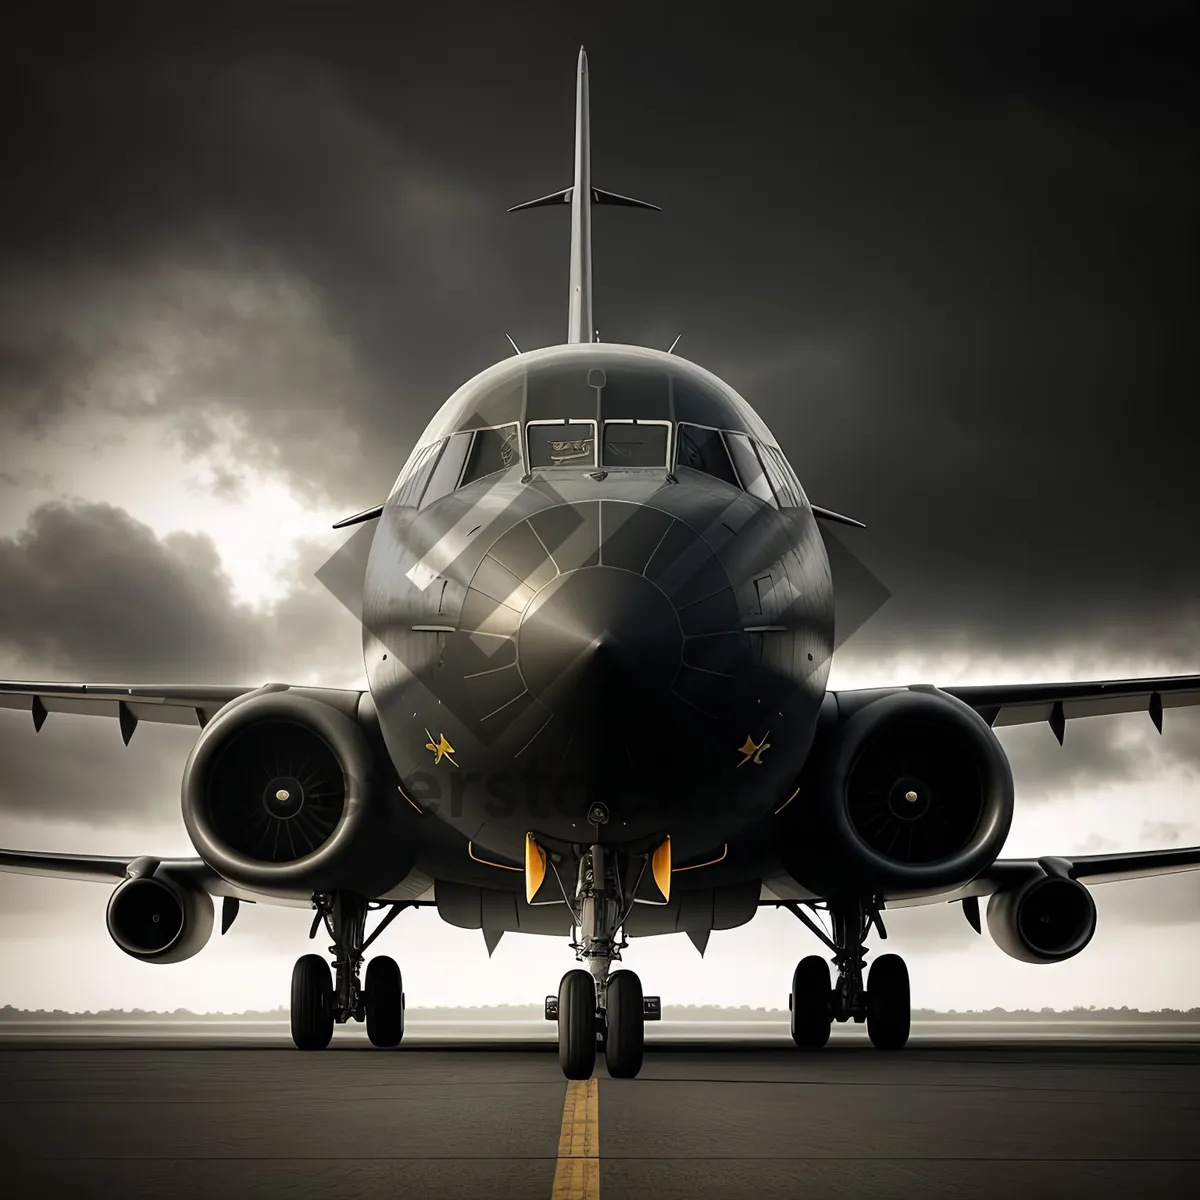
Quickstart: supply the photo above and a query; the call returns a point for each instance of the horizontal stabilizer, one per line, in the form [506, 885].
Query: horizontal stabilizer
[602, 197]
[599, 196]
[563, 197]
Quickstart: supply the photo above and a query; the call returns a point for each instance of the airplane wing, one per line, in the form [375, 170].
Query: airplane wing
[171, 705]
[1086, 868]
[1057, 703]
[1098, 868]
[194, 706]
[98, 868]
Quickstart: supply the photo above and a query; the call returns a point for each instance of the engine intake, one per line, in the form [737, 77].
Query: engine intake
[276, 791]
[280, 794]
[910, 792]
[1046, 920]
[154, 920]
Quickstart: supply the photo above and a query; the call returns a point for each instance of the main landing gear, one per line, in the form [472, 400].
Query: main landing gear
[318, 1003]
[883, 1003]
[593, 1007]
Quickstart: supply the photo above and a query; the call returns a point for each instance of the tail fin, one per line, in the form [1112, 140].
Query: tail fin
[581, 196]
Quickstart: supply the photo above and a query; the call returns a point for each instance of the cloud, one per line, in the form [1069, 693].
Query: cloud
[1169, 900]
[963, 311]
[256, 247]
[77, 770]
[85, 587]
[1168, 833]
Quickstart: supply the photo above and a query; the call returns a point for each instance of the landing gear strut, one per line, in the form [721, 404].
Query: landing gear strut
[883, 1004]
[318, 1003]
[592, 1005]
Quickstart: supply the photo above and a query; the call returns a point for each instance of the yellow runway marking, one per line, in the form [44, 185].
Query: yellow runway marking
[577, 1176]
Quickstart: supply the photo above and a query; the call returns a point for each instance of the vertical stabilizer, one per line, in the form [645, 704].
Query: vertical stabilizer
[581, 195]
[579, 319]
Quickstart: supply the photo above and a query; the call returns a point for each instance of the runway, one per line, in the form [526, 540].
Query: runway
[233, 1114]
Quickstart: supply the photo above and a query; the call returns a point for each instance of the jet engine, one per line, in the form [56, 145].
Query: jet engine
[155, 920]
[1046, 920]
[911, 792]
[280, 794]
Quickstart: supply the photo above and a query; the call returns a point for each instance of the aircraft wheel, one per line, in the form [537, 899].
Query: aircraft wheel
[625, 1026]
[577, 1025]
[384, 995]
[811, 992]
[312, 1003]
[889, 1010]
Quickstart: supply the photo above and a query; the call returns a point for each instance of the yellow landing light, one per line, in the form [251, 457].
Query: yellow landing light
[535, 867]
[660, 865]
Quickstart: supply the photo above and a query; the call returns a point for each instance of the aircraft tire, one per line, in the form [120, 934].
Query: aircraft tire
[384, 994]
[889, 1011]
[624, 1045]
[577, 1025]
[312, 1003]
[811, 1008]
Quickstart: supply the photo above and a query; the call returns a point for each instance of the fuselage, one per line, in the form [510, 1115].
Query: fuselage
[597, 608]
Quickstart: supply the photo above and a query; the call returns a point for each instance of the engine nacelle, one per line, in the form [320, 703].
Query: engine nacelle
[281, 794]
[1046, 920]
[155, 920]
[911, 792]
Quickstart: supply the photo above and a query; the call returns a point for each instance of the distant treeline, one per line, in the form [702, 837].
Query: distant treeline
[672, 1012]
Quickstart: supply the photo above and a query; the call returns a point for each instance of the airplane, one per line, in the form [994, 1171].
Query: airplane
[598, 622]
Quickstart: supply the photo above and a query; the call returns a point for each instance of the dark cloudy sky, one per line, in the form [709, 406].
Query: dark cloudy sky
[950, 258]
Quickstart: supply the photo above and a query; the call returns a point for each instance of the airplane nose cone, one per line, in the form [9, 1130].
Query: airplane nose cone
[602, 629]
[599, 647]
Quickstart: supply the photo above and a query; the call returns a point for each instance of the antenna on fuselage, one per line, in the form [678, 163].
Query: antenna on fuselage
[675, 343]
[581, 196]
[516, 348]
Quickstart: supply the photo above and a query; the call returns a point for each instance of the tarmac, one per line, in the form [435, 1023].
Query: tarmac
[228, 1112]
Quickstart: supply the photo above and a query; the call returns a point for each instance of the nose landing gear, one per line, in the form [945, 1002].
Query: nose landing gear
[884, 1003]
[592, 1006]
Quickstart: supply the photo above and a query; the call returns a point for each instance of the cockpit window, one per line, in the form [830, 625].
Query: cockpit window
[449, 468]
[783, 479]
[416, 475]
[462, 458]
[635, 443]
[749, 468]
[491, 450]
[703, 450]
[561, 443]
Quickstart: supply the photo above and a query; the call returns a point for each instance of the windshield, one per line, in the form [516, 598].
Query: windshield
[704, 450]
[635, 443]
[491, 450]
[561, 443]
